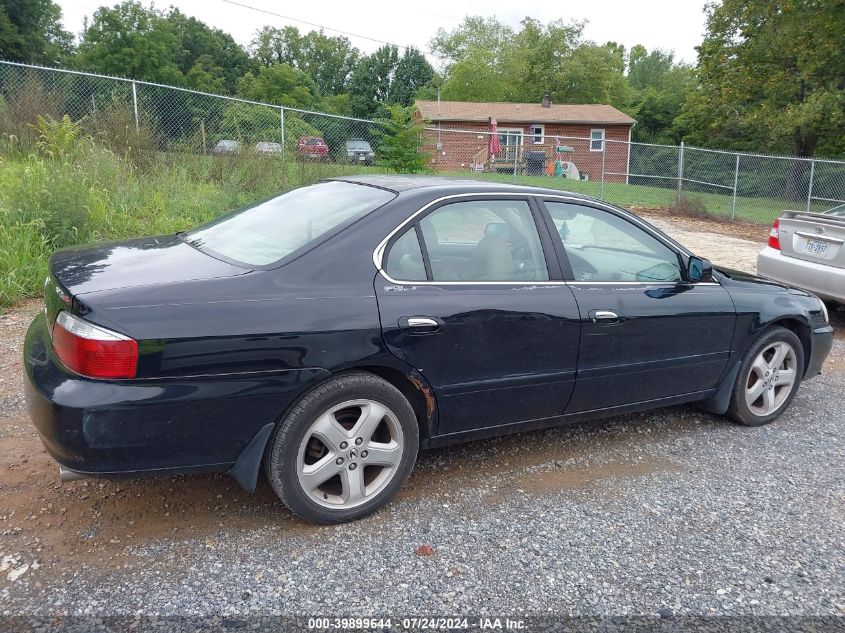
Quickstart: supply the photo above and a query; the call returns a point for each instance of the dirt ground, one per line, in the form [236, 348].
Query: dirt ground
[44, 523]
[711, 224]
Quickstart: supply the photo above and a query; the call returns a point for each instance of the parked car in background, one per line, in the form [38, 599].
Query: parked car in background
[330, 332]
[227, 146]
[265, 148]
[359, 151]
[313, 147]
[807, 250]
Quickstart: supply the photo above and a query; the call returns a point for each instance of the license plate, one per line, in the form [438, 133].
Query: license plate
[362, 158]
[816, 248]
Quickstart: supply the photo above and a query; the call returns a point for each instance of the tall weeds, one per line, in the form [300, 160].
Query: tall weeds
[62, 187]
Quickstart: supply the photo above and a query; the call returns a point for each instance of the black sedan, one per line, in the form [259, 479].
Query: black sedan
[331, 332]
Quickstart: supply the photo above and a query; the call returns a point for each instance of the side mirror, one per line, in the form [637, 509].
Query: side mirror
[699, 269]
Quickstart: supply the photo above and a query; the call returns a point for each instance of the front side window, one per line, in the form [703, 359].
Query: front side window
[268, 231]
[602, 246]
[483, 240]
[596, 140]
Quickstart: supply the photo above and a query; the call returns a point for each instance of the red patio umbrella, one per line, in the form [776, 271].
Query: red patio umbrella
[493, 145]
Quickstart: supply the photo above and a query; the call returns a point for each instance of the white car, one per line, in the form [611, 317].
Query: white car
[807, 250]
[272, 149]
[227, 146]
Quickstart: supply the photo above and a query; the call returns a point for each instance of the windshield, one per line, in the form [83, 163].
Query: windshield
[360, 145]
[837, 211]
[268, 231]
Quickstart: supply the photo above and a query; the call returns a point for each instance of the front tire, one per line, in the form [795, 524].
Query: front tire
[344, 450]
[768, 378]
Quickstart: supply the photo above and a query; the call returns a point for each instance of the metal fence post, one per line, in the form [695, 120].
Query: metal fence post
[282, 128]
[603, 150]
[680, 171]
[736, 181]
[810, 186]
[284, 153]
[135, 106]
[515, 154]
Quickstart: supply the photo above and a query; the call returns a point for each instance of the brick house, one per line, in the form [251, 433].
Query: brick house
[459, 140]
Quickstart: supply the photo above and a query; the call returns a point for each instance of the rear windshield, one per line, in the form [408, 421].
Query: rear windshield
[313, 141]
[358, 145]
[268, 231]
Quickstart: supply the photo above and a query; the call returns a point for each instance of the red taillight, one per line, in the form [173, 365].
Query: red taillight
[774, 235]
[93, 351]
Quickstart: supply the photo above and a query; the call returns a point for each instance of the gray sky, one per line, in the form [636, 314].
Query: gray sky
[676, 25]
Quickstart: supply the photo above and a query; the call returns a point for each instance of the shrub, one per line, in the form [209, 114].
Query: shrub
[690, 206]
[56, 137]
[400, 141]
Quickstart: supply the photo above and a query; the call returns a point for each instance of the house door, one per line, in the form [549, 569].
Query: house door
[511, 141]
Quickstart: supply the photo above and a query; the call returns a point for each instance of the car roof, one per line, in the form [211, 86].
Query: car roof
[400, 184]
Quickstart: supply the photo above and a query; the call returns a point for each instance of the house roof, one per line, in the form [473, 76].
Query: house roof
[593, 113]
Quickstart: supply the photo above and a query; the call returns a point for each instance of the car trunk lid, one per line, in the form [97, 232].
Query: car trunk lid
[815, 237]
[135, 264]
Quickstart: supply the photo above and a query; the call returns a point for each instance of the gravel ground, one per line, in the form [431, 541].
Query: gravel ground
[673, 511]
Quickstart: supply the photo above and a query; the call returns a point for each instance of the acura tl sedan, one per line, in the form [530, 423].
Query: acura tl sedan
[329, 333]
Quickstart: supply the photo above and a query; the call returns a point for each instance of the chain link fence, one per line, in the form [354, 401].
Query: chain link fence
[290, 147]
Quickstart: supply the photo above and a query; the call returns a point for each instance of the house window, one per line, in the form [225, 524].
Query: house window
[536, 132]
[597, 140]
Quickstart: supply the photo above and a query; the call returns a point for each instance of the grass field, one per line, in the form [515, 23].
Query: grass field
[89, 194]
[759, 210]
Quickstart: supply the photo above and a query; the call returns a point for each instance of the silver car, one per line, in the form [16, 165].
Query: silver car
[227, 146]
[271, 149]
[807, 250]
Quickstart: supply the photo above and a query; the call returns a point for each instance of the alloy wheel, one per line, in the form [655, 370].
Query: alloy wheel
[350, 454]
[771, 378]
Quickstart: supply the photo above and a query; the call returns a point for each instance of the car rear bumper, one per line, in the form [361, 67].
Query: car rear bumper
[828, 282]
[107, 428]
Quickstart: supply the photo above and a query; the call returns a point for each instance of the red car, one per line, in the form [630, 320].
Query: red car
[313, 147]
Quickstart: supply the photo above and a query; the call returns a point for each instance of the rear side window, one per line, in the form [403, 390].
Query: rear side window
[266, 232]
[478, 240]
[405, 259]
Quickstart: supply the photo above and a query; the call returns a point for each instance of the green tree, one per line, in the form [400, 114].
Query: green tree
[476, 54]
[329, 61]
[771, 77]
[400, 141]
[412, 73]
[134, 41]
[31, 31]
[206, 75]
[539, 56]
[648, 69]
[371, 81]
[659, 90]
[206, 52]
[486, 60]
[592, 73]
[280, 84]
[130, 40]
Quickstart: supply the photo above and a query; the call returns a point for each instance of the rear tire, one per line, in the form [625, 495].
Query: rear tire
[344, 450]
[768, 379]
